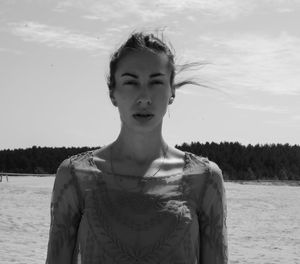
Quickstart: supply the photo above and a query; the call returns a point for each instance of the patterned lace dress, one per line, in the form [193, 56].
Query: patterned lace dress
[102, 218]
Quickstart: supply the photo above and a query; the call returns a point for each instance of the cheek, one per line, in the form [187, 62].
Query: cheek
[161, 100]
[123, 94]
[165, 93]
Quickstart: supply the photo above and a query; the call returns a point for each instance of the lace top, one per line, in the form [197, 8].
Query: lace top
[102, 218]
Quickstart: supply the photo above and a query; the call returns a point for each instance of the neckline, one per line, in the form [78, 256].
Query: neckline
[186, 158]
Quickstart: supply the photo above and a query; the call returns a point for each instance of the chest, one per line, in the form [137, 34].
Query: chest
[138, 203]
[158, 168]
[143, 221]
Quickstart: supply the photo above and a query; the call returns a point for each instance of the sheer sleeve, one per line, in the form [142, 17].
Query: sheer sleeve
[65, 216]
[212, 219]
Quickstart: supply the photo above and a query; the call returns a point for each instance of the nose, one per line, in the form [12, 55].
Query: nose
[144, 98]
[144, 101]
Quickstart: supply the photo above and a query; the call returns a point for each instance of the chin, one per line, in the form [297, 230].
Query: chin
[148, 126]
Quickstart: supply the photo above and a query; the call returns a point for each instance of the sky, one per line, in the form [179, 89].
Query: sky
[54, 57]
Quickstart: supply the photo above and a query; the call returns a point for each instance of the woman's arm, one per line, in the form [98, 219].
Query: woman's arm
[65, 216]
[212, 219]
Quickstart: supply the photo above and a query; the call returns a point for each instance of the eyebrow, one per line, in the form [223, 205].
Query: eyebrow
[136, 77]
[156, 74]
[129, 74]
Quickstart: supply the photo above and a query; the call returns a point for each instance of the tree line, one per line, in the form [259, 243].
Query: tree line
[36, 159]
[238, 162]
[259, 162]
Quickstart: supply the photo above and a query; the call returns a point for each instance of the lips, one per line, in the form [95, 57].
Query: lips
[143, 114]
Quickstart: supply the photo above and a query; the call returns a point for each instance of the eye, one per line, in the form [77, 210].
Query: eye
[130, 83]
[157, 82]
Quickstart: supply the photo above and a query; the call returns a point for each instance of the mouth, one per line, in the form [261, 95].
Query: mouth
[141, 116]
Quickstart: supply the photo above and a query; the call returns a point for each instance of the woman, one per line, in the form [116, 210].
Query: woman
[139, 200]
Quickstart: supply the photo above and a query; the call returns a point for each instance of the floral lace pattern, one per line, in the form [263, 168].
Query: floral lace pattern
[97, 217]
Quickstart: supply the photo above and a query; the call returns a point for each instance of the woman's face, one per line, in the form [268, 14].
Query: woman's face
[142, 89]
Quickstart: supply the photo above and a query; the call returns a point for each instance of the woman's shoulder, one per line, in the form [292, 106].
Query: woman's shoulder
[75, 159]
[201, 165]
[205, 176]
[75, 164]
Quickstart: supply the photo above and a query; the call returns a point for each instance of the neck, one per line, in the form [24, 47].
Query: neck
[140, 147]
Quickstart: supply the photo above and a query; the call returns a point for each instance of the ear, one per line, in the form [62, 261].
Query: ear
[171, 99]
[112, 98]
[173, 91]
[114, 101]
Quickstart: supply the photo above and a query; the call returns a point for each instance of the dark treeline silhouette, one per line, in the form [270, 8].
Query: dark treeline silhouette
[238, 162]
[259, 162]
[36, 159]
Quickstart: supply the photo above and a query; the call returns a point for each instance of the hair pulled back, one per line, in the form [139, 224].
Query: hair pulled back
[140, 41]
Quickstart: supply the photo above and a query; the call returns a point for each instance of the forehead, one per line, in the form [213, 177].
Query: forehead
[143, 62]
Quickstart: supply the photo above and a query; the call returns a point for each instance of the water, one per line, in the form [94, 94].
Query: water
[263, 222]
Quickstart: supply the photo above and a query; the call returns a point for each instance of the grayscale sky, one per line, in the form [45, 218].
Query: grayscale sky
[54, 56]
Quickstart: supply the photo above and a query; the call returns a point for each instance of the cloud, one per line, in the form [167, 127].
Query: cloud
[260, 108]
[292, 121]
[107, 10]
[295, 117]
[8, 50]
[217, 8]
[153, 11]
[189, 92]
[244, 62]
[57, 37]
[150, 11]
[285, 10]
[91, 17]
[284, 116]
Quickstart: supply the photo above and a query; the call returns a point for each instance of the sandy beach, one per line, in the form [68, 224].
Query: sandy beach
[263, 221]
[268, 182]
